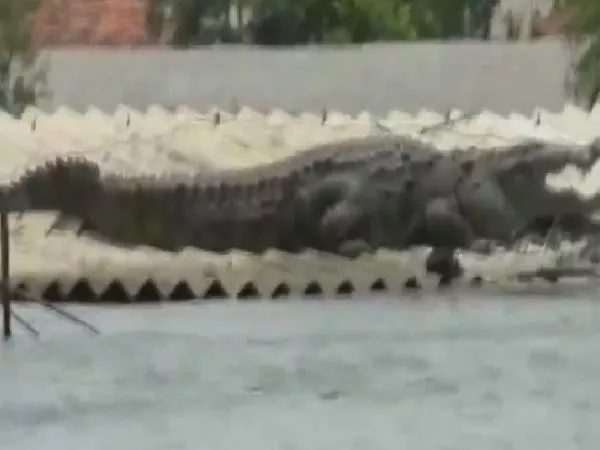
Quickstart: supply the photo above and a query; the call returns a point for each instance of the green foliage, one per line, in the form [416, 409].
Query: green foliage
[155, 18]
[195, 21]
[21, 77]
[366, 20]
[295, 21]
[357, 21]
[583, 32]
[284, 22]
[439, 18]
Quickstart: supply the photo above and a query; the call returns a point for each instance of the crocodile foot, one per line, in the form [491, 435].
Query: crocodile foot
[442, 261]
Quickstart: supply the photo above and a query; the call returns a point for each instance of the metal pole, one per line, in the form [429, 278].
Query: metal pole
[5, 262]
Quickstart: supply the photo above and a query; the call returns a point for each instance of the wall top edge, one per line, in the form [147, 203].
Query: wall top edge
[302, 47]
[569, 110]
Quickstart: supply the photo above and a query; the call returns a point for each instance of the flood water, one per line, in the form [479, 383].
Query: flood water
[372, 374]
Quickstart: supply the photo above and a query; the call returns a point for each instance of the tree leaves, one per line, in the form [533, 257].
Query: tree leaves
[284, 22]
[20, 75]
[583, 32]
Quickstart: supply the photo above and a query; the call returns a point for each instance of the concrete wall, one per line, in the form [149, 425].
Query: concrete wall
[497, 76]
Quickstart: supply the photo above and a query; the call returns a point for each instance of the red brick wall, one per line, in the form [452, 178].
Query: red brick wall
[90, 22]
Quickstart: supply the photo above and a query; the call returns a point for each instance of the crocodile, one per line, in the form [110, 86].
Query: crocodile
[347, 196]
[458, 198]
[206, 210]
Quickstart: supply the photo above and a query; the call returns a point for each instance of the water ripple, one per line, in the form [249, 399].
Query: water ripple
[378, 377]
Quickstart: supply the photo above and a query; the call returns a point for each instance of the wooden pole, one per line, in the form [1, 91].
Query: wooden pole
[5, 262]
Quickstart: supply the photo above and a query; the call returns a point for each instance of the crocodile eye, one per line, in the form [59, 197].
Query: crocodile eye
[467, 167]
[522, 168]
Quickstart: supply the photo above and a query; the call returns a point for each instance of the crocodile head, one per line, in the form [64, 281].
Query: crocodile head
[523, 180]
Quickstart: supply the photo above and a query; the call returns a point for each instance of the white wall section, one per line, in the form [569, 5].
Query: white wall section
[159, 142]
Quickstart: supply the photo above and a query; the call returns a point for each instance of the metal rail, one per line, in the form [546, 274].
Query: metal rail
[9, 202]
[5, 262]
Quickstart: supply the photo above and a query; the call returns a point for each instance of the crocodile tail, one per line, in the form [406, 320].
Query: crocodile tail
[68, 185]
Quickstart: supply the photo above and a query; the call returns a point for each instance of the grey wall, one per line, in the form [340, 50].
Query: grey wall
[498, 76]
